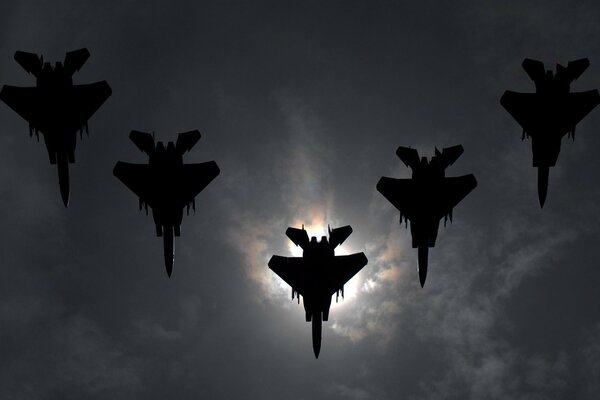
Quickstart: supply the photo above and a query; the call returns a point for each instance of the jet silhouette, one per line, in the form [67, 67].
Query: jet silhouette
[318, 274]
[166, 184]
[549, 113]
[427, 197]
[56, 107]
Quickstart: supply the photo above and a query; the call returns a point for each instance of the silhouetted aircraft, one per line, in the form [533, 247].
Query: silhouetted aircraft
[549, 113]
[318, 274]
[166, 184]
[428, 197]
[56, 107]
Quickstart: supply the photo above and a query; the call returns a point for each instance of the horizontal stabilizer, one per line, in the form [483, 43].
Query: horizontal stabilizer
[32, 63]
[144, 141]
[410, 157]
[74, 60]
[535, 69]
[187, 140]
[449, 155]
[298, 236]
[576, 68]
[337, 236]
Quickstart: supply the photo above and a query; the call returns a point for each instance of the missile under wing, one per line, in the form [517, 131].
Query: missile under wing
[318, 274]
[550, 113]
[56, 107]
[166, 184]
[427, 197]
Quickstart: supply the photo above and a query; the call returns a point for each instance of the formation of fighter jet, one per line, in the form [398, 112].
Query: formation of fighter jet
[56, 107]
[550, 113]
[428, 197]
[59, 109]
[166, 184]
[318, 274]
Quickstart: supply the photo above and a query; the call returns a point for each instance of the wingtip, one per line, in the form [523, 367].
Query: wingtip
[216, 168]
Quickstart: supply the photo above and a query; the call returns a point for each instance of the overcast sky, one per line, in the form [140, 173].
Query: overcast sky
[302, 105]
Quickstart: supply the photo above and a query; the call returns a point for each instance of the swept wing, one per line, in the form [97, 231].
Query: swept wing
[292, 270]
[66, 111]
[189, 181]
[410, 198]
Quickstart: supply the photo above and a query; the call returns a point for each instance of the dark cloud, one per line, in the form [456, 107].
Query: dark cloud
[302, 104]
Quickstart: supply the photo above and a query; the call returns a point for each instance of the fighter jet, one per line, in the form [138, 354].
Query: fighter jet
[549, 113]
[166, 184]
[428, 197]
[318, 274]
[56, 107]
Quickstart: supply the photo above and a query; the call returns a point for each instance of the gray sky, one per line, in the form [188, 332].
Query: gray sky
[302, 105]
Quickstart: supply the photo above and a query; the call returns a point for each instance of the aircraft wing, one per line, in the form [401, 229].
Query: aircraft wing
[399, 192]
[580, 104]
[291, 270]
[195, 177]
[523, 107]
[454, 190]
[136, 177]
[86, 100]
[344, 268]
[528, 111]
[23, 100]
[68, 112]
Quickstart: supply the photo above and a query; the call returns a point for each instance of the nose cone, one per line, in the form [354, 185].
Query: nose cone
[316, 333]
[423, 253]
[542, 193]
[543, 173]
[169, 263]
[63, 178]
[168, 244]
[422, 276]
[317, 348]
[542, 197]
[64, 193]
